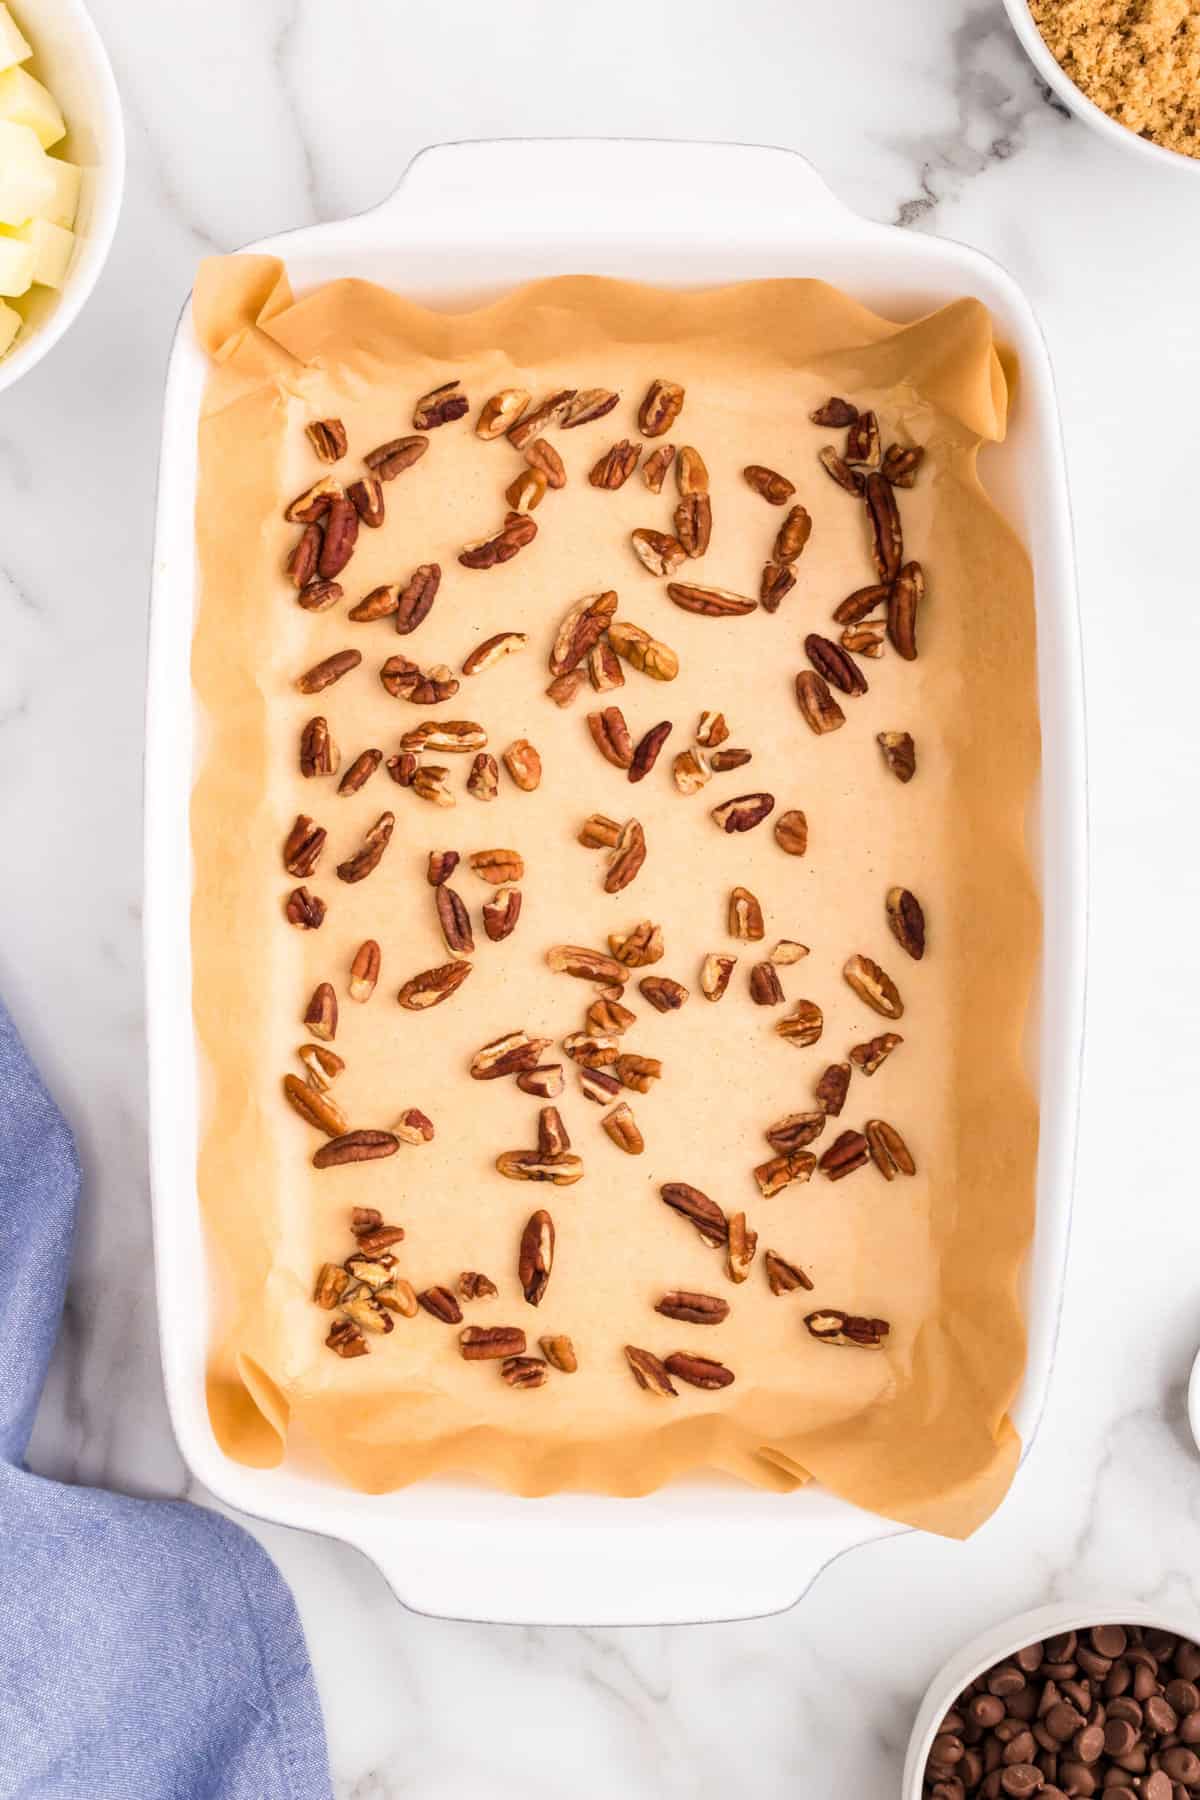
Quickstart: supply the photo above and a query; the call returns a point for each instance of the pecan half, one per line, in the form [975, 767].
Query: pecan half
[345, 1339]
[356, 1147]
[399, 1297]
[368, 857]
[524, 1371]
[710, 602]
[517, 530]
[856, 606]
[339, 539]
[848, 1151]
[415, 599]
[646, 754]
[745, 916]
[791, 832]
[654, 469]
[874, 1053]
[627, 859]
[776, 581]
[889, 1152]
[698, 1371]
[483, 783]
[908, 591]
[840, 471]
[526, 490]
[321, 1013]
[304, 910]
[588, 405]
[598, 1085]
[643, 652]
[372, 1235]
[508, 1055]
[429, 782]
[589, 1048]
[314, 1107]
[784, 1277]
[693, 523]
[454, 921]
[328, 438]
[821, 711]
[546, 1081]
[501, 412]
[742, 1246]
[543, 457]
[523, 764]
[366, 497]
[638, 1073]
[883, 516]
[608, 1018]
[649, 1373]
[661, 406]
[440, 1302]
[303, 845]
[871, 984]
[588, 965]
[766, 989]
[663, 994]
[391, 459]
[535, 1258]
[531, 1165]
[744, 812]
[500, 914]
[328, 670]
[318, 595]
[834, 411]
[360, 771]
[795, 1131]
[847, 1329]
[318, 752]
[832, 1088]
[901, 462]
[324, 1066]
[907, 920]
[580, 629]
[559, 1352]
[414, 1127]
[440, 406]
[691, 1308]
[331, 1283]
[614, 468]
[899, 753]
[792, 535]
[640, 945]
[777, 1173]
[493, 650]
[314, 502]
[695, 1206]
[611, 736]
[488, 1343]
[373, 1271]
[776, 489]
[657, 551]
[547, 412]
[474, 1286]
[432, 986]
[460, 737]
[803, 1026]
[715, 973]
[862, 441]
[623, 1129]
[865, 639]
[832, 663]
[404, 680]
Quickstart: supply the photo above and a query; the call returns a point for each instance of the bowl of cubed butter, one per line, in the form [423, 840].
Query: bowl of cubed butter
[62, 172]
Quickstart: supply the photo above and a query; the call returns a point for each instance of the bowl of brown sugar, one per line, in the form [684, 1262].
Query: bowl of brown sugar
[1128, 68]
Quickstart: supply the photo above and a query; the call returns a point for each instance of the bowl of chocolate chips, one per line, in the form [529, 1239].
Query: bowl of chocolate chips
[1053, 1704]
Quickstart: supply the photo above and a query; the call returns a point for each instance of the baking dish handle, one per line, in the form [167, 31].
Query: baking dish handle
[517, 187]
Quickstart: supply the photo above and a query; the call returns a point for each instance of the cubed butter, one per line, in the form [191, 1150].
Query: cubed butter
[25, 101]
[13, 48]
[16, 266]
[65, 202]
[10, 324]
[27, 184]
[51, 249]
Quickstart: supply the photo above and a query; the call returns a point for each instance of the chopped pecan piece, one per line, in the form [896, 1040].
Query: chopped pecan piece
[318, 752]
[775, 583]
[543, 457]
[483, 783]
[821, 711]
[693, 523]
[832, 663]
[524, 1371]
[663, 994]
[497, 866]
[710, 602]
[847, 1329]
[399, 1297]
[360, 771]
[715, 972]
[691, 472]
[745, 916]
[405, 680]
[356, 1147]
[862, 442]
[328, 670]
[598, 1085]
[796, 1130]
[372, 1235]
[856, 606]
[784, 1277]
[318, 595]
[430, 782]
[414, 1127]
[328, 438]
[889, 1152]
[523, 764]
[535, 1258]
[642, 652]
[599, 832]
[641, 944]
[907, 920]
[787, 951]
[611, 736]
[803, 1026]
[646, 753]
[440, 866]
[901, 462]
[345, 1339]
[623, 1129]
[500, 914]
[391, 459]
[474, 1286]
[654, 469]
[874, 1053]
[638, 1073]
[604, 667]
[375, 842]
[834, 412]
[488, 1343]
[581, 628]
[501, 412]
[899, 753]
[779, 1171]
[563, 689]
[547, 412]
[658, 551]
[883, 515]
[692, 1309]
[865, 639]
[766, 989]
[315, 1108]
[742, 1246]
[791, 832]
[698, 1371]
[592, 1050]
[493, 650]
[840, 471]
[364, 1311]
[832, 1088]
[627, 859]
[588, 965]
[871, 984]
[559, 1352]
[712, 730]
[531, 1165]
[321, 1014]
[403, 770]
[691, 771]
[848, 1151]
[314, 502]
[588, 405]
[366, 497]
[526, 490]
[517, 530]
[614, 468]
[373, 1271]
[721, 761]
[331, 1283]
[441, 406]
[908, 591]
[460, 737]
[303, 846]
[608, 1018]
[440, 1302]
[553, 1138]
[776, 489]
[304, 910]
[323, 1065]
[649, 1373]
[661, 406]
[744, 812]
[432, 986]
[792, 536]
[691, 1204]
[546, 1081]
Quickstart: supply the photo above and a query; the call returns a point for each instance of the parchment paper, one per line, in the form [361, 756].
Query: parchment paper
[920, 1432]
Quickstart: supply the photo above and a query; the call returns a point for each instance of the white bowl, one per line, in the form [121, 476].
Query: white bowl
[1056, 78]
[70, 58]
[1003, 1641]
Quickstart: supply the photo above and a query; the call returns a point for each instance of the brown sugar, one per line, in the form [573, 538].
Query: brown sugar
[1138, 60]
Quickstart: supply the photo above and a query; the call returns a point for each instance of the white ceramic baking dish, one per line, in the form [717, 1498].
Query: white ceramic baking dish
[466, 221]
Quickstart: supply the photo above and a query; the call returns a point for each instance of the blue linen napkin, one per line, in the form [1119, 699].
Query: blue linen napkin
[149, 1650]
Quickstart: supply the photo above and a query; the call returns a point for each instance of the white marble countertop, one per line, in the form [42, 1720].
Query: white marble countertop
[246, 119]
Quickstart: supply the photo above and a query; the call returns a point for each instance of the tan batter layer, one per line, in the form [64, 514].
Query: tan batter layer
[919, 1432]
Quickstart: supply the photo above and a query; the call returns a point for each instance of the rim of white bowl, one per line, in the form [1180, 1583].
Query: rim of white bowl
[1056, 77]
[1005, 1639]
[110, 191]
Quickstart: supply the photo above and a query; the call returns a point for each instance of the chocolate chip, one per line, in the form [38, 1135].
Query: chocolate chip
[1022, 1779]
[1119, 1736]
[1108, 1640]
[1005, 1680]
